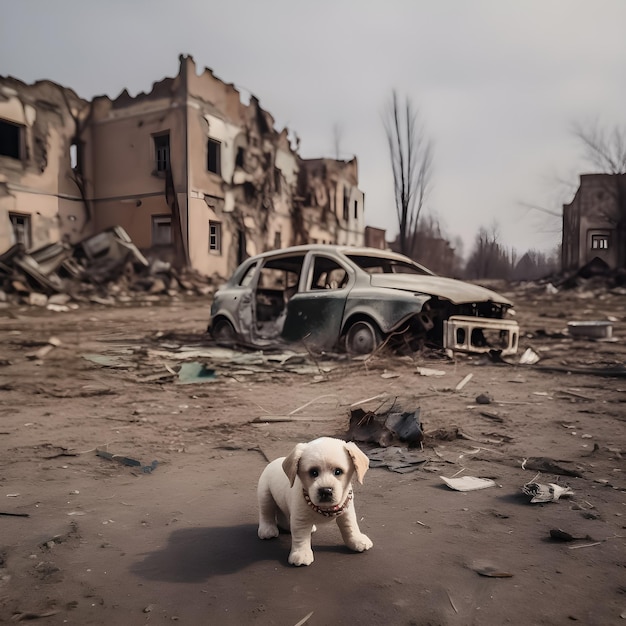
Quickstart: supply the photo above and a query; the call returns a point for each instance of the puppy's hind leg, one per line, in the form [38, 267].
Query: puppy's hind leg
[268, 511]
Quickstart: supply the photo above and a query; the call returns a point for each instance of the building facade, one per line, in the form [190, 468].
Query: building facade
[594, 223]
[192, 173]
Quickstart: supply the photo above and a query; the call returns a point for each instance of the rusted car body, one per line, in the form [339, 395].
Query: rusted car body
[343, 298]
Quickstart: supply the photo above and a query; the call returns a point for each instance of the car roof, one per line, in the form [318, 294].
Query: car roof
[326, 247]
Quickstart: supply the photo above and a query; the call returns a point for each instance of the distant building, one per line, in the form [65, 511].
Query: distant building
[192, 173]
[376, 237]
[594, 223]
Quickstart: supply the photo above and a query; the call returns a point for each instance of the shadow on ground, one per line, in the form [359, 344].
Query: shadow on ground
[197, 554]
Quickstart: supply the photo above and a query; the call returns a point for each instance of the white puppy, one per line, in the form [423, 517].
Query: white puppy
[311, 486]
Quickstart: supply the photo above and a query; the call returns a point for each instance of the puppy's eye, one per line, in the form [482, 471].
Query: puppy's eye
[338, 471]
[314, 473]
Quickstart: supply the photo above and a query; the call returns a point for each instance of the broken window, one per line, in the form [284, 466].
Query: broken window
[600, 241]
[76, 156]
[346, 203]
[162, 152]
[276, 180]
[161, 230]
[21, 229]
[215, 236]
[277, 240]
[214, 159]
[10, 139]
[356, 209]
[239, 160]
[328, 274]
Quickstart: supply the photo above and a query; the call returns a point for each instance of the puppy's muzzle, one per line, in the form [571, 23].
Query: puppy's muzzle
[325, 494]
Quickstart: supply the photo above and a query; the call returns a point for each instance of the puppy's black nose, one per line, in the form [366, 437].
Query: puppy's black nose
[325, 493]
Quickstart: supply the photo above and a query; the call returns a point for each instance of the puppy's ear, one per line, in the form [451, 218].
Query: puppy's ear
[359, 459]
[291, 462]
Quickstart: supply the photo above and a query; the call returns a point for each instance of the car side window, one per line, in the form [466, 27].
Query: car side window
[328, 274]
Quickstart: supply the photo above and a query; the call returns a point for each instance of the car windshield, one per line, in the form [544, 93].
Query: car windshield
[387, 265]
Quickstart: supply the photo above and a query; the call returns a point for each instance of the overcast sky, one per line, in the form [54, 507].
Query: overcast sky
[498, 84]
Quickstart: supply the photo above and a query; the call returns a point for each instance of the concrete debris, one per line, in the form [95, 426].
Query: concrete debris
[545, 493]
[427, 371]
[106, 268]
[468, 483]
[384, 428]
[529, 357]
[598, 329]
[396, 459]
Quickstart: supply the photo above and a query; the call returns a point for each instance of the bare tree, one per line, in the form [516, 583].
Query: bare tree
[489, 259]
[605, 149]
[411, 161]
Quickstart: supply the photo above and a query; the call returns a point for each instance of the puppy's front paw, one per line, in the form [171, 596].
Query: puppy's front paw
[360, 543]
[268, 531]
[301, 557]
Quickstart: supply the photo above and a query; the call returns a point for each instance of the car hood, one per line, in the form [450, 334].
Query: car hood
[456, 291]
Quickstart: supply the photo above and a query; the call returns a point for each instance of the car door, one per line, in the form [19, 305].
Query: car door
[315, 313]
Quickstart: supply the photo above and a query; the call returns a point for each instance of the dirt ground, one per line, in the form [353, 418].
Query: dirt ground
[93, 541]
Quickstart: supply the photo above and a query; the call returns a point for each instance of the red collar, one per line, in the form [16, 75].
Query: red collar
[334, 511]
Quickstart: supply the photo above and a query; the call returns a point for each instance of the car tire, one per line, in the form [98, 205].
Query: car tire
[224, 333]
[363, 337]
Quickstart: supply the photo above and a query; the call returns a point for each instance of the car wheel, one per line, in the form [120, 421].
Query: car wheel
[224, 333]
[362, 338]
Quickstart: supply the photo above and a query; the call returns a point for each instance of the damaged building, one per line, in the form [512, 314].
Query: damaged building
[190, 171]
[594, 223]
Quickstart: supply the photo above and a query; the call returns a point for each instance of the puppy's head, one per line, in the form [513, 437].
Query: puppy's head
[325, 467]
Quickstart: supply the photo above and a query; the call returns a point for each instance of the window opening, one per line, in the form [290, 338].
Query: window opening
[21, 229]
[215, 236]
[600, 241]
[162, 152]
[161, 230]
[214, 156]
[10, 140]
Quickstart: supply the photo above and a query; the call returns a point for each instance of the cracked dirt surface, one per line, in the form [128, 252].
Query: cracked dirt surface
[110, 543]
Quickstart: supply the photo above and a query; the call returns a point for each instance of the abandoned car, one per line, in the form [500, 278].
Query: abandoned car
[336, 298]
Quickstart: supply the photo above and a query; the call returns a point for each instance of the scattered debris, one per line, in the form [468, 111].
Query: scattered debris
[483, 398]
[276, 419]
[427, 371]
[193, 372]
[529, 357]
[30, 615]
[463, 382]
[388, 375]
[468, 483]
[560, 535]
[550, 492]
[548, 466]
[399, 460]
[124, 460]
[382, 429]
[615, 371]
[492, 416]
[53, 342]
[14, 514]
[305, 619]
[491, 571]
[591, 330]
[106, 268]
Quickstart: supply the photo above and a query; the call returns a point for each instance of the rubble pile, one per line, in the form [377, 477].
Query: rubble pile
[594, 276]
[106, 268]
